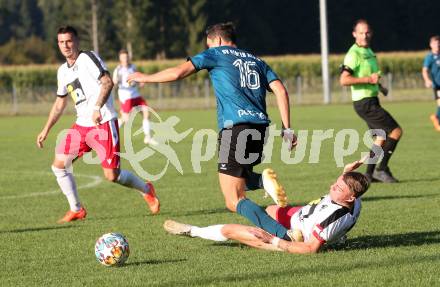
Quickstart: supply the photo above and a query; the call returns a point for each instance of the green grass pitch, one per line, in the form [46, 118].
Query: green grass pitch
[396, 242]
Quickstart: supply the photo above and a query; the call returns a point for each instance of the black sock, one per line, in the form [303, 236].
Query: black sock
[388, 149]
[371, 166]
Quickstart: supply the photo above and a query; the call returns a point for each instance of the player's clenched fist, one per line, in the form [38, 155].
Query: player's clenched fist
[40, 138]
[290, 138]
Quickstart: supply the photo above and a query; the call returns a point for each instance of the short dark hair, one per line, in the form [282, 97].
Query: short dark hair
[67, 29]
[360, 21]
[123, 51]
[434, 38]
[357, 182]
[224, 30]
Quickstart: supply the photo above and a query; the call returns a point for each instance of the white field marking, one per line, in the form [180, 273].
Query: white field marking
[96, 180]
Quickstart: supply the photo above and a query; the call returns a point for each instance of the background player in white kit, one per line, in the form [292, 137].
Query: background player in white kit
[325, 220]
[129, 96]
[84, 77]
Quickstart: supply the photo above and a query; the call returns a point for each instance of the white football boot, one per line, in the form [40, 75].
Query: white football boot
[273, 188]
[177, 228]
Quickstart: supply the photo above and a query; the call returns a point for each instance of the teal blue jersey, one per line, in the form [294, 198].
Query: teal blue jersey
[240, 82]
[432, 62]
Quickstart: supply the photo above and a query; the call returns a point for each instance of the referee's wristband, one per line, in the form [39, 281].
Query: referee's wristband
[275, 241]
[97, 108]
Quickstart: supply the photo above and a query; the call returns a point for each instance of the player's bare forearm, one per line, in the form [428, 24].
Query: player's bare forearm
[299, 247]
[106, 88]
[346, 79]
[248, 235]
[311, 246]
[55, 113]
[168, 75]
[426, 78]
[282, 101]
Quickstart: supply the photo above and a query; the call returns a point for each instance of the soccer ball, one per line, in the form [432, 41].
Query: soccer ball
[112, 249]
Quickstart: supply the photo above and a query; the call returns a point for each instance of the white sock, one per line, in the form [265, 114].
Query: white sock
[213, 232]
[146, 127]
[66, 181]
[120, 122]
[128, 179]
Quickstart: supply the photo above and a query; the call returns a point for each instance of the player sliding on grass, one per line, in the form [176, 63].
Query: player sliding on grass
[85, 78]
[325, 220]
[240, 82]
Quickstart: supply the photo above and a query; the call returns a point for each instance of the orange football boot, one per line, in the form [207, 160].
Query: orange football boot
[152, 200]
[435, 122]
[72, 215]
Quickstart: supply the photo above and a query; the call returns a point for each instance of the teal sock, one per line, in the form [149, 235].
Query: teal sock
[258, 216]
[254, 181]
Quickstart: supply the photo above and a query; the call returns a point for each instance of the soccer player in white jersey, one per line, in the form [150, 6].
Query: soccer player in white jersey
[129, 96]
[325, 220]
[85, 78]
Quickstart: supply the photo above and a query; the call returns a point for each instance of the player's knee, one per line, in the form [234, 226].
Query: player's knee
[272, 210]
[227, 230]
[396, 133]
[112, 177]
[58, 164]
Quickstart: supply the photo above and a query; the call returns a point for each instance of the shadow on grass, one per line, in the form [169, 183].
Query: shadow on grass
[431, 179]
[153, 262]
[36, 229]
[392, 240]
[377, 198]
[287, 272]
[198, 212]
[229, 244]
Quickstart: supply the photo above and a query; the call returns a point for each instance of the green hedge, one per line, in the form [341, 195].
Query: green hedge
[308, 66]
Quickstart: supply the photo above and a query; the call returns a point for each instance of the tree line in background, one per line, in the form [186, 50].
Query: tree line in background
[159, 29]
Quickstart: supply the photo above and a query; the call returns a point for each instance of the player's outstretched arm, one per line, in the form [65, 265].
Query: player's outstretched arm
[168, 75]
[311, 246]
[55, 113]
[246, 235]
[354, 165]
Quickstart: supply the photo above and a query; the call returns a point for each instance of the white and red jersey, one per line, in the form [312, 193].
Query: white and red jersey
[81, 82]
[325, 219]
[126, 91]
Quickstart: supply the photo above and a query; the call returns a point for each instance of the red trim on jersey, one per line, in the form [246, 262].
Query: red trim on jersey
[103, 139]
[314, 233]
[129, 104]
[284, 214]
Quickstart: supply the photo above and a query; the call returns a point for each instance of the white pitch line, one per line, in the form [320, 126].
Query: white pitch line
[96, 181]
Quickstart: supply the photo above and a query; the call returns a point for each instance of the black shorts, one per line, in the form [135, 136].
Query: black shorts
[370, 110]
[240, 148]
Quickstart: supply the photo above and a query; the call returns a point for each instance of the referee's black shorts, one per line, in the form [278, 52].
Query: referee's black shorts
[376, 117]
[240, 148]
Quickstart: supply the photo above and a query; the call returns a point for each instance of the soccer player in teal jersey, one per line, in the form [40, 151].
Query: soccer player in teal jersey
[240, 82]
[361, 71]
[431, 75]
